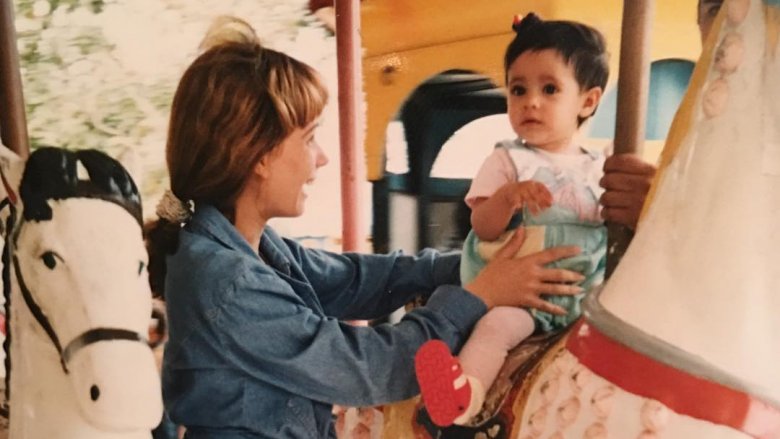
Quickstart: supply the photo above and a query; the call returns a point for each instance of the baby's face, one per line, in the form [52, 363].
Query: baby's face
[544, 100]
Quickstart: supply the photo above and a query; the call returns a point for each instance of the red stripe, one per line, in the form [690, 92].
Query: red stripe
[681, 392]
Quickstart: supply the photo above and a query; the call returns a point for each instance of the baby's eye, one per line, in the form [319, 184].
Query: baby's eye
[517, 90]
[549, 89]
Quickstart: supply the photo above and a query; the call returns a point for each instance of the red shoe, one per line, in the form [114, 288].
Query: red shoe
[437, 371]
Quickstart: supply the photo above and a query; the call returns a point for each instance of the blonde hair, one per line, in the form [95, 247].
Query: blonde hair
[234, 104]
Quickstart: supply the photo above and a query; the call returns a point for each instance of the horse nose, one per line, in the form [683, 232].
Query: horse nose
[94, 392]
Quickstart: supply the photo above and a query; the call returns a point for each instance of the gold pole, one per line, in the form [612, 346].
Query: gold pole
[633, 84]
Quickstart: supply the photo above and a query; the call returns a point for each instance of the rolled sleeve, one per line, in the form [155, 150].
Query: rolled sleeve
[460, 307]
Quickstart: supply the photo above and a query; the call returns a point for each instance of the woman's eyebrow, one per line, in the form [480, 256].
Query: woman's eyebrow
[311, 129]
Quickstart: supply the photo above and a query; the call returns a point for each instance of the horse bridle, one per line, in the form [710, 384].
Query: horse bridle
[85, 339]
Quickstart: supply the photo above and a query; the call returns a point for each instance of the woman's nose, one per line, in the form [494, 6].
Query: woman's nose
[321, 159]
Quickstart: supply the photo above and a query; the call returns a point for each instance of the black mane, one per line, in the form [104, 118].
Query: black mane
[51, 174]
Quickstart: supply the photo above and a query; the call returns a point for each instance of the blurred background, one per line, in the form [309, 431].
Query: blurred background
[102, 73]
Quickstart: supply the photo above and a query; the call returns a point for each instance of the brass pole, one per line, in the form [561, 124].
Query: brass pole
[633, 84]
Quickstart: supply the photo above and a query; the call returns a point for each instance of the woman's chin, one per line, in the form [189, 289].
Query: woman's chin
[299, 210]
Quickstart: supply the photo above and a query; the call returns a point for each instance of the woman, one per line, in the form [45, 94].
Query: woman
[256, 348]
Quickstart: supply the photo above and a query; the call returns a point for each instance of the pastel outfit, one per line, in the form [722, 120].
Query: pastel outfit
[573, 219]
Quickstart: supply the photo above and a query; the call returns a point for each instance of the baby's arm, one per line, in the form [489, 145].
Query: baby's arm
[491, 215]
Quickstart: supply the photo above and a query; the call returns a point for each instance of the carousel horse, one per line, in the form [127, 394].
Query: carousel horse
[78, 300]
[681, 342]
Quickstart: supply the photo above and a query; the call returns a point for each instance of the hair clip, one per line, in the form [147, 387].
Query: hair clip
[520, 22]
[516, 20]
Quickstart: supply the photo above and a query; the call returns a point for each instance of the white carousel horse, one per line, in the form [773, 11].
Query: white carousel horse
[79, 302]
[682, 341]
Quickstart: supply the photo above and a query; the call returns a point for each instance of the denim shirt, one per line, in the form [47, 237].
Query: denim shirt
[256, 349]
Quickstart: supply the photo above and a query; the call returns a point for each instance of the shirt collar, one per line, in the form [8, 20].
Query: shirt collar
[208, 219]
[211, 221]
[520, 143]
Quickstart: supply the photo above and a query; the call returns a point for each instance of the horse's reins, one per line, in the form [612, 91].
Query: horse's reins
[85, 339]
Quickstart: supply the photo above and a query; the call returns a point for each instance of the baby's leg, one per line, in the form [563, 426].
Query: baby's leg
[498, 331]
[454, 389]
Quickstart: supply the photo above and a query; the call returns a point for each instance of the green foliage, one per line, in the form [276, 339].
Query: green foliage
[101, 73]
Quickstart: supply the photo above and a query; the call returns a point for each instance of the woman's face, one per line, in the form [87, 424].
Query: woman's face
[290, 167]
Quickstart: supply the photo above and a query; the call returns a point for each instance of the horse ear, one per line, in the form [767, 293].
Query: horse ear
[50, 173]
[109, 176]
[11, 168]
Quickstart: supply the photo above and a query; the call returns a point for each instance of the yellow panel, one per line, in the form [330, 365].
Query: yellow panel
[399, 25]
[387, 89]
[408, 41]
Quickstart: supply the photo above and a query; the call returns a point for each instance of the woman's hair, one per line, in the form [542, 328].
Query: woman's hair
[580, 45]
[234, 104]
[228, 29]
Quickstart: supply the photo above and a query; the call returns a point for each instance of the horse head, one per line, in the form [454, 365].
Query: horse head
[79, 262]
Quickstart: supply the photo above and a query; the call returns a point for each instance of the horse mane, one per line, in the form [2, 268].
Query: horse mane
[52, 174]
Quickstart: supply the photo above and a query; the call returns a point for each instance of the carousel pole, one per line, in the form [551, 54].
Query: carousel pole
[348, 56]
[13, 122]
[633, 84]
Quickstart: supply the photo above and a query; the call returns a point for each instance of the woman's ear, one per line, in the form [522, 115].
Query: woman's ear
[262, 168]
[590, 102]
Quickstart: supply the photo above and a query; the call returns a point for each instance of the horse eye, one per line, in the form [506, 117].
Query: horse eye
[141, 267]
[49, 259]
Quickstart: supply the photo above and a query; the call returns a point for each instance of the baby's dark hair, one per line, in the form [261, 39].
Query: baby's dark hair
[579, 44]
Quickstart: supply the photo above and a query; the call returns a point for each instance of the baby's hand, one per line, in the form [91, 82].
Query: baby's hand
[531, 194]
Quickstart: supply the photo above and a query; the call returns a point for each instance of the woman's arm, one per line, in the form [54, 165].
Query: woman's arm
[273, 336]
[363, 286]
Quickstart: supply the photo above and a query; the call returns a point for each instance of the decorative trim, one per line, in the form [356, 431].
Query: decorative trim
[680, 391]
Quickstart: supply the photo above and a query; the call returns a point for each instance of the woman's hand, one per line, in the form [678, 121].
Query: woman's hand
[626, 182]
[519, 282]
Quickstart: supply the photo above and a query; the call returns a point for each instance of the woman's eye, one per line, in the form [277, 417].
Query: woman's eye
[517, 90]
[549, 89]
